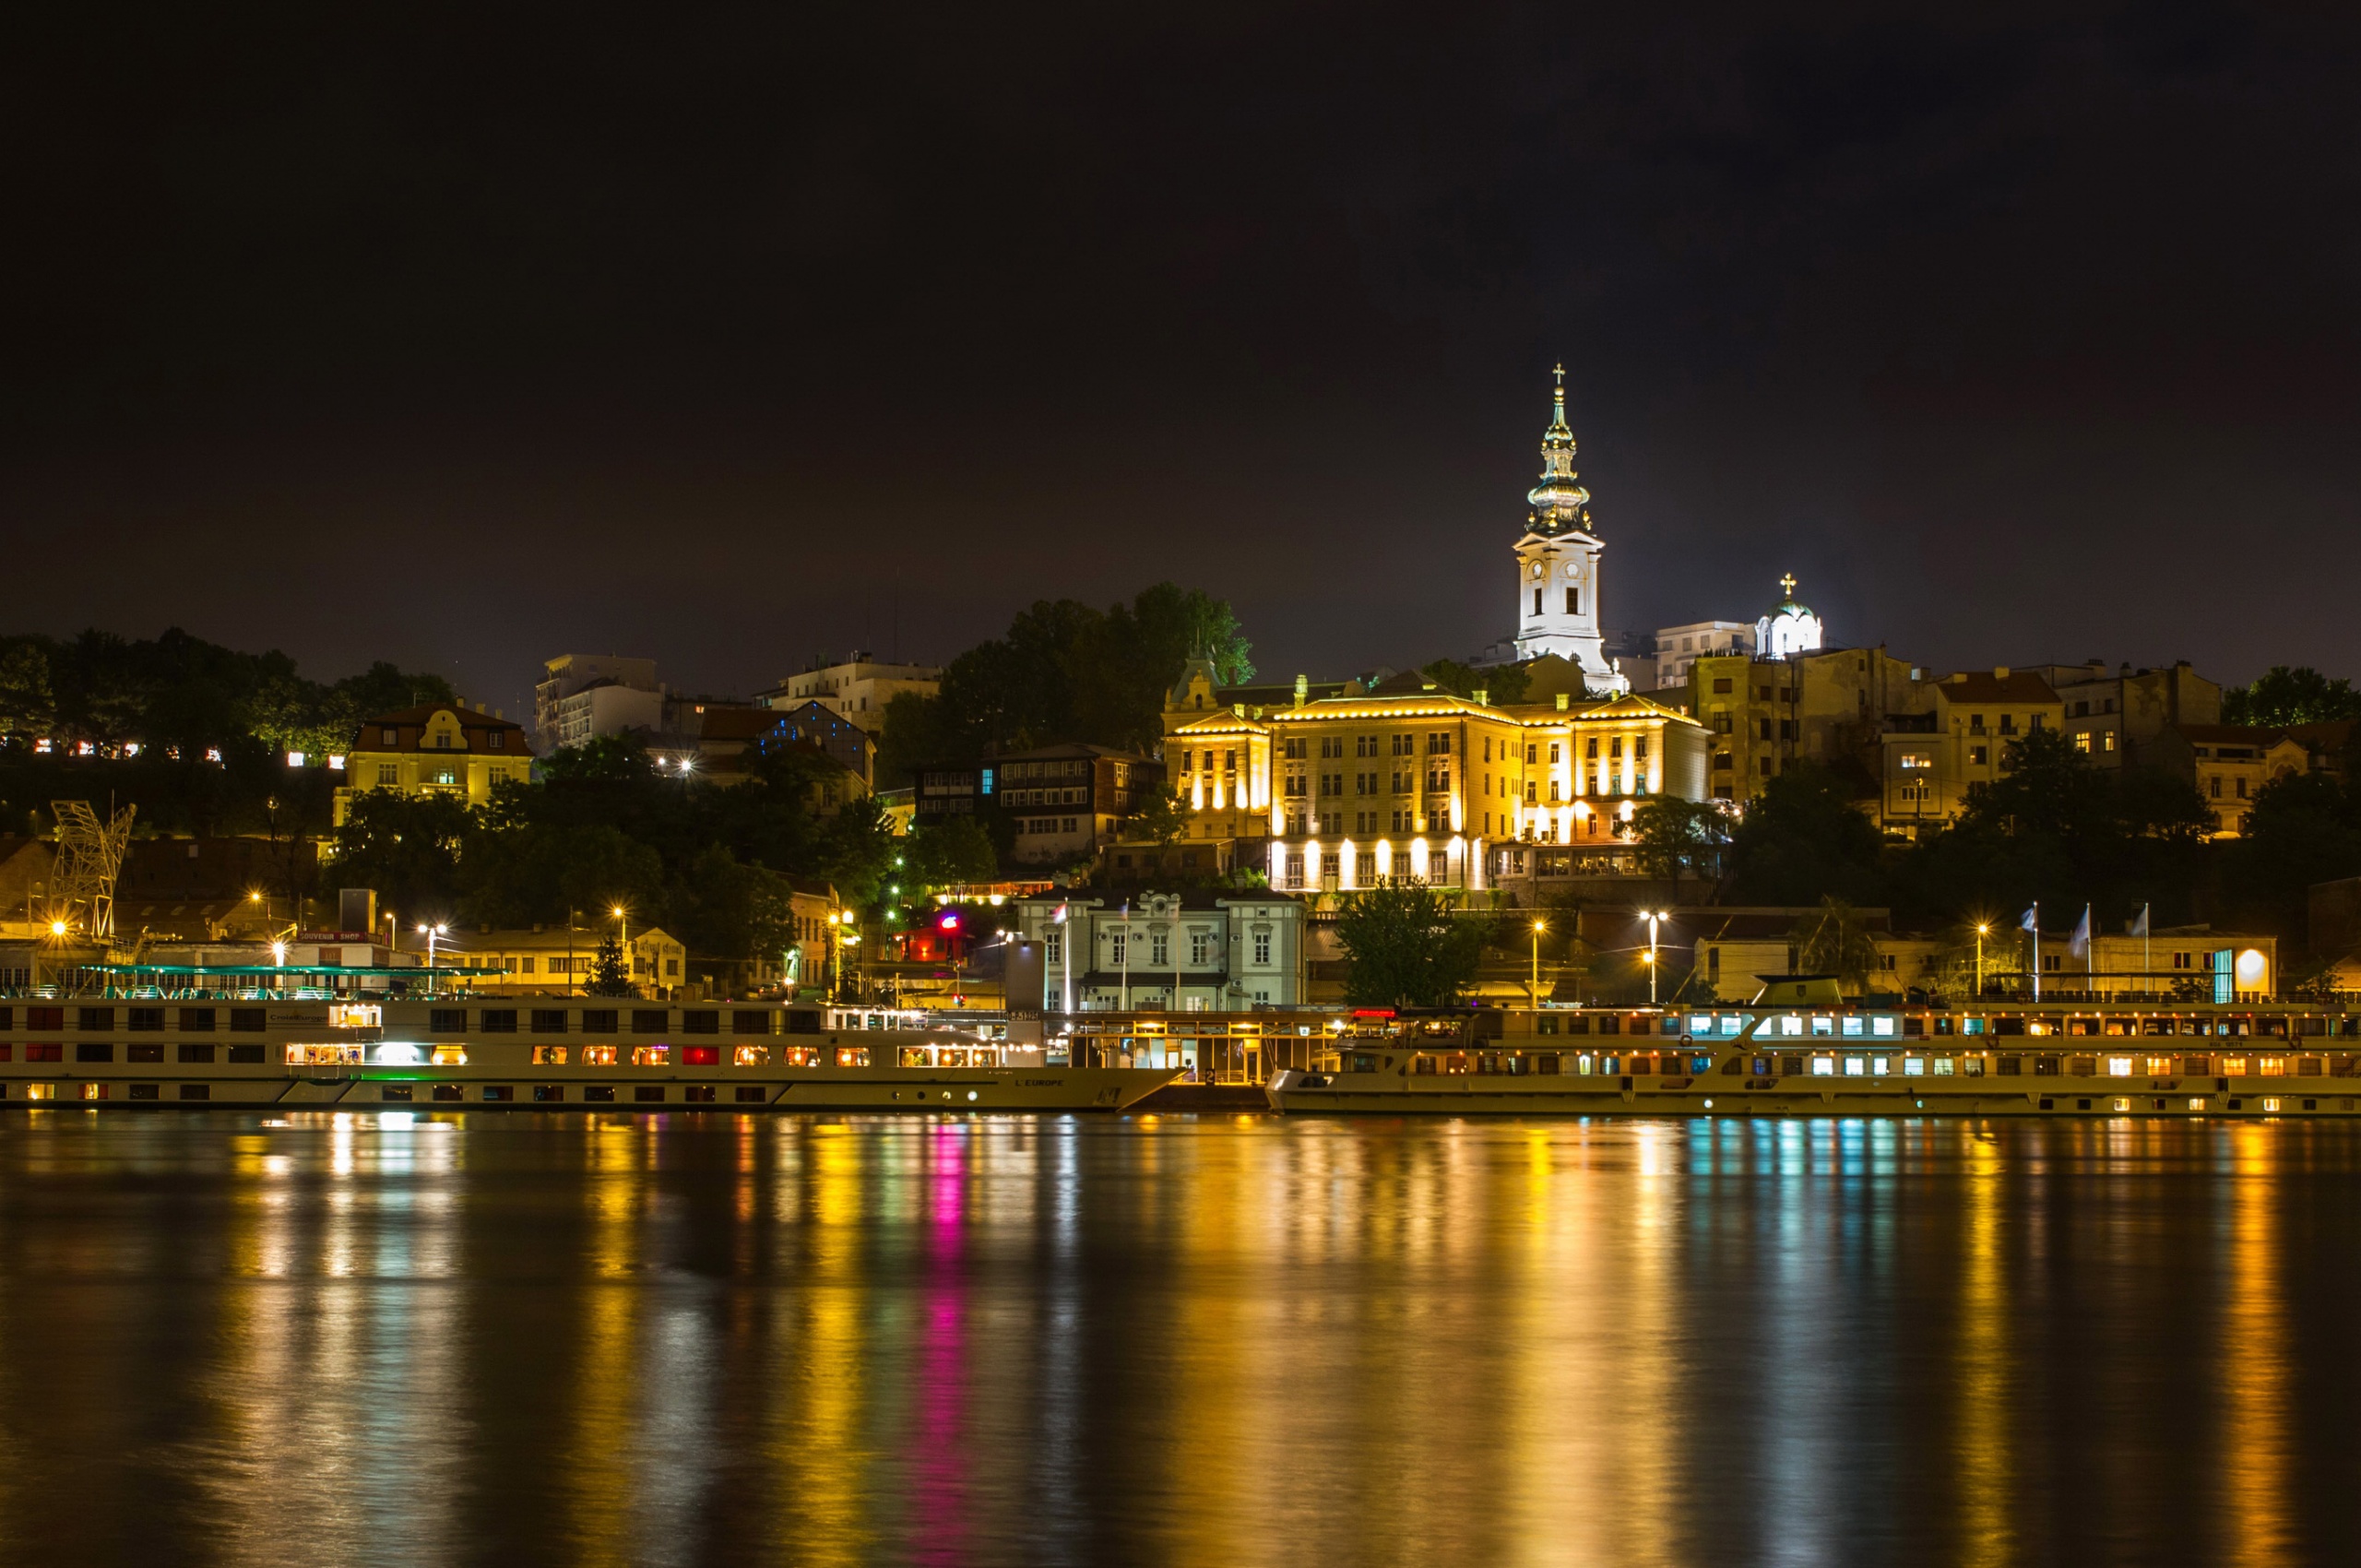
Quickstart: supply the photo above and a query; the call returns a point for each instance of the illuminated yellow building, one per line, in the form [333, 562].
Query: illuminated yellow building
[1405, 780]
[441, 749]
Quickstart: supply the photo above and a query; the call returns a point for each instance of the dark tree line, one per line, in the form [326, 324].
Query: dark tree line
[194, 734]
[1065, 671]
[599, 828]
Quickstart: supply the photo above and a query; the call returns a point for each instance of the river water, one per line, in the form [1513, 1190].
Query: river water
[511, 1339]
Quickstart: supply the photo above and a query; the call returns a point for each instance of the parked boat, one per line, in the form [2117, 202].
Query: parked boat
[2251, 1058]
[551, 1053]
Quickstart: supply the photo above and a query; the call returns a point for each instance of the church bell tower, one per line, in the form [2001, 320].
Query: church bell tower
[1557, 564]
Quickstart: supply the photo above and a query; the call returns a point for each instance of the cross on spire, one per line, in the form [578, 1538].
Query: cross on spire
[1788, 583]
[1560, 373]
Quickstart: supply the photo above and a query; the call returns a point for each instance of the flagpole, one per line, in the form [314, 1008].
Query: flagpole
[2090, 953]
[2036, 949]
[2147, 979]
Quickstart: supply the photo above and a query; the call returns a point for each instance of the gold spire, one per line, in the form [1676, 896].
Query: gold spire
[1788, 583]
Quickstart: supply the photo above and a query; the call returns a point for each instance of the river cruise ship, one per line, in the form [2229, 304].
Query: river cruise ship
[275, 1049]
[1810, 1058]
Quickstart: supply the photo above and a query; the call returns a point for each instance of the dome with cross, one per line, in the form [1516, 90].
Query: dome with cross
[1790, 628]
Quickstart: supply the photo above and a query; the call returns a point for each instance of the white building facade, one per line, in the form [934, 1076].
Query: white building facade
[1198, 952]
[584, 695]
[857, 687]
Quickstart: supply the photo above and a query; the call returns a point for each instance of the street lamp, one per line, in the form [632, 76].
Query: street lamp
[1654, 918]
[432, 932]
[1982, 929]
[1533, 987]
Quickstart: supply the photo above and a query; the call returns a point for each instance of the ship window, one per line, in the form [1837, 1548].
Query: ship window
[450, 1056]
[1852, 1028]
[548, 1056]
[1942, 1067]
[1855, 1067]
[598, 1057]
[650, 1056]
[1823, 1066]
[752, 1056]
[1913, 1066]
[852, 1056]
[2119, 1066]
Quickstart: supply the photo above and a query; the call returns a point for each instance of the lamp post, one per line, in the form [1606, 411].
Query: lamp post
[622, 941]
[1654, 918]
[1982, 929]
[432, 932]
[1532, 987]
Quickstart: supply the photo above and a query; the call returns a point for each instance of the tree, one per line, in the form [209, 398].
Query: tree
[409, 849]
[1159, 820]
[1676, 836]
[1067, 671]
[2303, 828]
[951, 853]
[27, 705]
[724, 910]
[1803, 840]
[2055, 829]
[2281, 696]
[1501, 683]
[1406, 948]
[608, 975]
[1836, 941]
[538, 874]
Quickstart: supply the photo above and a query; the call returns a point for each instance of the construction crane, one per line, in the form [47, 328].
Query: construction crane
[89, 857]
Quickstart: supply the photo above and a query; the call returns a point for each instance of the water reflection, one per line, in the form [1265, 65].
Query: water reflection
[1235, 1341]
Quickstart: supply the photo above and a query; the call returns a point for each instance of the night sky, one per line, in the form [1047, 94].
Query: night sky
[728, 335]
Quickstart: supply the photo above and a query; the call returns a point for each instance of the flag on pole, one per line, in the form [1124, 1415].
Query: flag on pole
[2079, 944]
[2031, 918]
[2139, 926]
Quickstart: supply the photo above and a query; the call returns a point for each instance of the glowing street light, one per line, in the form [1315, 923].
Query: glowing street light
[1653, 917]
[1533, 989]
[1982, 929]
[432, 932]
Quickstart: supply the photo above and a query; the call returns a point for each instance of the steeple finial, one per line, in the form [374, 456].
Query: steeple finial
[1788, 583]
[1558, 500]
